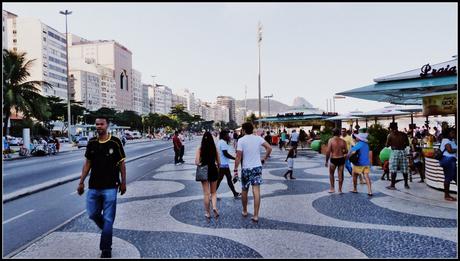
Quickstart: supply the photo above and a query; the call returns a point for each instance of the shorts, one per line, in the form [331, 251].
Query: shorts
[362, 169]
[338, 161]
[398, 159]
[294, 144]
[252, 177]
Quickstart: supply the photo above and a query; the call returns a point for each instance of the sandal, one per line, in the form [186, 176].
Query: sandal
[352, 191]
[369, 194]
[207, 215]
[255, 220]
[244, 214]
[216, 213]
[450, 198]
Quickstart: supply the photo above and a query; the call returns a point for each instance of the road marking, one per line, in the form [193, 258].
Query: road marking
[71, 161]
[142, 164]
[18, 216]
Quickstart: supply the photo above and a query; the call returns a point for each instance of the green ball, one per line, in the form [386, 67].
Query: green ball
[385, 154]
[316, 145]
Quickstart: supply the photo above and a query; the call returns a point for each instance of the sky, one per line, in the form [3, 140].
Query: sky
[312, 50]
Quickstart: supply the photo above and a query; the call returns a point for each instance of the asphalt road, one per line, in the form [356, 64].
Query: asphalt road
[24, 173]
[27, 218]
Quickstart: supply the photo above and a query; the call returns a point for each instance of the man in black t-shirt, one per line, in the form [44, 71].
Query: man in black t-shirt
[105, 158]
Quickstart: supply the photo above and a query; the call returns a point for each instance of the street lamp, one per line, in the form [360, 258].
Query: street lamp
[337, 97]
[67, 12]
[259, 41]
[268, 97]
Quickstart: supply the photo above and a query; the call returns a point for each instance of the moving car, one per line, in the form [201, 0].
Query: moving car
[82, 142]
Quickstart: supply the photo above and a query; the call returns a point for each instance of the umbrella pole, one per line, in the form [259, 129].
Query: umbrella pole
[393, 118]
[366, 122]
[412, 119]
[375, 120]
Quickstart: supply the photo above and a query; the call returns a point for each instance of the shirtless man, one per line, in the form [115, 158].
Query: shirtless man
[398, 142]
[336, 150]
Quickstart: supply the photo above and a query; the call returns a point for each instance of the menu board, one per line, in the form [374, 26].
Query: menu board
[440, 104]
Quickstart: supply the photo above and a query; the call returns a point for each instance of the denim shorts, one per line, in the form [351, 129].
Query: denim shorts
[252, 177]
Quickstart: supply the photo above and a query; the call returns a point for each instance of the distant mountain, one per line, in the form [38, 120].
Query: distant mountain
[301, 102]
[253, 105]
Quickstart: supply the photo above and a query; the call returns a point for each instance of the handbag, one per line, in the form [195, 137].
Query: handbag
[201, 173]
[354, 158]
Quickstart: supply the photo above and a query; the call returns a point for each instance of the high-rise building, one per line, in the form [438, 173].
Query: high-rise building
[178, 99]
[46, 46]
[230, 103]
[137, 92]
[113, 55]
[190, 100]
[145, 98]
[163, 99]
[85, 84]
[108, 97]
[5, 16]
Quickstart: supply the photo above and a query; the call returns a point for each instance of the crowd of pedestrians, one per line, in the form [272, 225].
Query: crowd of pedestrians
[105, 159]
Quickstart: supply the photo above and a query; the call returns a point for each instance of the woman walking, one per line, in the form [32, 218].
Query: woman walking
[207, 155]
[224, 156]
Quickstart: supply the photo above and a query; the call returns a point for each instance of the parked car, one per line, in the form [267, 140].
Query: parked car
[82, 142]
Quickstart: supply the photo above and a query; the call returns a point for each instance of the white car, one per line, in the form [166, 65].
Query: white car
[82, 142]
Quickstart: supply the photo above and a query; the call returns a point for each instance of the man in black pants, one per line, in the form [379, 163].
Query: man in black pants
[224, 169]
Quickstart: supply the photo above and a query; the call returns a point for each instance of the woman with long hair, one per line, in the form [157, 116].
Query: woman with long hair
[207, 155]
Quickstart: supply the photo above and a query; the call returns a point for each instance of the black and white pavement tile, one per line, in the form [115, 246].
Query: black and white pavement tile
[162, 216]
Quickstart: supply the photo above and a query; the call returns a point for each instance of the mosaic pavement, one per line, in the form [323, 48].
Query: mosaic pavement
[162, 216]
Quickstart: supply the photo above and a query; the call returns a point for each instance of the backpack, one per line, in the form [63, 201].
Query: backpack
[354, 158]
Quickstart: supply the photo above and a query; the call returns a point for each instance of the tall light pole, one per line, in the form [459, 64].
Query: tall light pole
[259, 41]
[337, 97]
[67, 12]
[268, 97]
[245, 102]
[154, 95]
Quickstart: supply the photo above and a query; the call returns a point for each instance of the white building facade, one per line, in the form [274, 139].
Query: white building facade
[44, 44]
[137, 92]
[86, 84]
[113, 55]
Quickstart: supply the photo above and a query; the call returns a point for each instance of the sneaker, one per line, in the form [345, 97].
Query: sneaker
[106, 254]
[177, 164]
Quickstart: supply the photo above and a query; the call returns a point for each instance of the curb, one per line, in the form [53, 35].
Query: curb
[65, 151]
[49, 184]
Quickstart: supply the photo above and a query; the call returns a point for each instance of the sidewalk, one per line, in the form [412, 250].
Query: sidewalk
[162, 216]
[67, 147]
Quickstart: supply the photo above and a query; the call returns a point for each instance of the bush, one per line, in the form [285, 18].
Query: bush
[325, 135]
[377, 138]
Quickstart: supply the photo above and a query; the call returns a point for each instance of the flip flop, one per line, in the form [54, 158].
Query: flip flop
[255, 220]
[216, 213]
[331, 192]
[450, 199]
[369, 194]
[353, 191]
[244, 215]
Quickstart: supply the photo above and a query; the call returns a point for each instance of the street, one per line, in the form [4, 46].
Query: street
[34, 215]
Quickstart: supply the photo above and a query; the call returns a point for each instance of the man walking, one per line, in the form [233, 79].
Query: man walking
[336, 150]
[248, 150]
[178, 149]
[398, 142]
[105, 158]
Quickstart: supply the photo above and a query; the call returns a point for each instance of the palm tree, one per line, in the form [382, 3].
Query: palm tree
[18, 94]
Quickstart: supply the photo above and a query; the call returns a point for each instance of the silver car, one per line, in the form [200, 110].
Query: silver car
[82, 142]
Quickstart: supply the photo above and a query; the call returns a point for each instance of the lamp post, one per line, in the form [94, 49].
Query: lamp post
[67, 12]
[268, 97]
[337, 97]
[259, 41]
